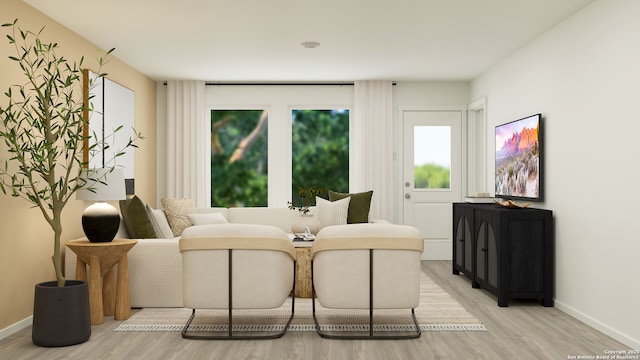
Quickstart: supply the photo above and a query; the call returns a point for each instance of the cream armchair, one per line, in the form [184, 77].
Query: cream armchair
[236, 266]
[367, 266]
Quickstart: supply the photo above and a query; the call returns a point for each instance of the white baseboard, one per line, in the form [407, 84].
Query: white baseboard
[12, 329]
[605, 329]
[437, 250]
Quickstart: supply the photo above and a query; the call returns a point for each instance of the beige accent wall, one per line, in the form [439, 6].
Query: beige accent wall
[26, 240]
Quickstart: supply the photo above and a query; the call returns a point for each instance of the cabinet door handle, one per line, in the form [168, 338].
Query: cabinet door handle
[483, 249]
[461, 240]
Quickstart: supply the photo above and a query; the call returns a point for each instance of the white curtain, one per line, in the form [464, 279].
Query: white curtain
[188, 146]
[372, 145]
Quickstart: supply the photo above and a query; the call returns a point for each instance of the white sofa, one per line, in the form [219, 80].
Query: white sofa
[155, 265]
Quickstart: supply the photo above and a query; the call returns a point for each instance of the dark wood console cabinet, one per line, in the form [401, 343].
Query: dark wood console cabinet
[509, 252]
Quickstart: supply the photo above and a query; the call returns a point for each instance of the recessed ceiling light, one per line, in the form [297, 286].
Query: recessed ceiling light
[310, 44]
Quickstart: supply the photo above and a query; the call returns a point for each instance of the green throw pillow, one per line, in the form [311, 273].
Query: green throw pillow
[136, 219]
[358, 205]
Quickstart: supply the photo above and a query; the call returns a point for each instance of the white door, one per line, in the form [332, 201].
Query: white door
[432, 175]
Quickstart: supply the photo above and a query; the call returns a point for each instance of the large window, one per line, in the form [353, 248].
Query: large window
[239, 158]
[306, 142]
[320, 150]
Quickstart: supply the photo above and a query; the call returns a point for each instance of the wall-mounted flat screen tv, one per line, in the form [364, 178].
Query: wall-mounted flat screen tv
[519, 159]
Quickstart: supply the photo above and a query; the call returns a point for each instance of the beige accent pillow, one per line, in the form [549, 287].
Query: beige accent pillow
[177, 211]
[332, 213]
[207, 219]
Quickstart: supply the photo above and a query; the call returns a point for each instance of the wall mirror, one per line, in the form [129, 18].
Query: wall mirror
[112, 106]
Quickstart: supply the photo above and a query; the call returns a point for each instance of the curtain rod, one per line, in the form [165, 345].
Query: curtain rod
[278, 83]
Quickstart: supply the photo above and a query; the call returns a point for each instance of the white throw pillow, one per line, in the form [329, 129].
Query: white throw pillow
[160, 223]
[332, 213]
[207, 219]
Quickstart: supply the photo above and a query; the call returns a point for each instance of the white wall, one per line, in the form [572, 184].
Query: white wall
[584, 76]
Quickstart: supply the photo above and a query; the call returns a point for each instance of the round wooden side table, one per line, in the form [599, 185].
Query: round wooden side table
[108, 293]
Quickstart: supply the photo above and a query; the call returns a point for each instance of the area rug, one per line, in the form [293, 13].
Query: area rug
[437, 311]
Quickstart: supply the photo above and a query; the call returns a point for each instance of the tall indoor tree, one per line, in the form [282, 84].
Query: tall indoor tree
[42, 125]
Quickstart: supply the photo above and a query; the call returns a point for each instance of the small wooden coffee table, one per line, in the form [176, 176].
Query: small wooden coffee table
[303, 269]
[107, 295]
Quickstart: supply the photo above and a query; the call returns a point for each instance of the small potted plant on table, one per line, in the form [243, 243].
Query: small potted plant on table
[306, 198]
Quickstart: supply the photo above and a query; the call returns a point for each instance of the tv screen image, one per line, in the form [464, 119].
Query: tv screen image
[518, 159]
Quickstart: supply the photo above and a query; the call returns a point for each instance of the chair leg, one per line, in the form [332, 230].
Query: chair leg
[186, 334]
[372, 334]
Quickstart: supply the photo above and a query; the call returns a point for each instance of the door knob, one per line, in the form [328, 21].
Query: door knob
[407, 184]
[407, 196]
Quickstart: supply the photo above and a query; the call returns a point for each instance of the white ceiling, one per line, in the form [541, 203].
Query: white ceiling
[259, 40]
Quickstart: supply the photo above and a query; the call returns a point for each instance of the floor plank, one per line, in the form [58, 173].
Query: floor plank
[524, 330]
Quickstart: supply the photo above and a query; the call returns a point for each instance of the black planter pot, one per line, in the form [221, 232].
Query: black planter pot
[61, 314]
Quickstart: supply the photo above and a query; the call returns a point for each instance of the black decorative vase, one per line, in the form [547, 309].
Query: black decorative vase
[61, 314]
[100, 222]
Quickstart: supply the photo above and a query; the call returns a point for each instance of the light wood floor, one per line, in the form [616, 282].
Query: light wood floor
[524, 330]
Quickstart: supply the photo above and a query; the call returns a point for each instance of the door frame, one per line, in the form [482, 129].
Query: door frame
[398, 185]
[477, 169]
